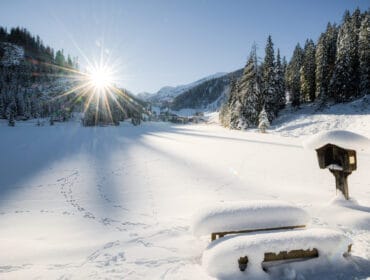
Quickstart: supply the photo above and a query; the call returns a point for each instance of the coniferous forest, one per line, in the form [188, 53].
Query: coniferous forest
[334, 69]
[31, 76]
[34, 80]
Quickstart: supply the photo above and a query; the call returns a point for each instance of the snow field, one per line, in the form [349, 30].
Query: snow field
[117, 202]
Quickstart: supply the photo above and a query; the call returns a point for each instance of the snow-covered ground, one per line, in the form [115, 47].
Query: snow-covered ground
[353, 116]
[117, 202]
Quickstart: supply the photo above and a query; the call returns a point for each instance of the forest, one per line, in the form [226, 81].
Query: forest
[334, 69]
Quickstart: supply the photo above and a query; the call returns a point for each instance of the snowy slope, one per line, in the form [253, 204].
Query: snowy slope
[353, 116]
[117, 202]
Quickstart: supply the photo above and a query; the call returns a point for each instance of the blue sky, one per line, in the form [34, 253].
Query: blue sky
[157, 43]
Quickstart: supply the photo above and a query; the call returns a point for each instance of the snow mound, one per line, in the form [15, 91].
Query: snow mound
[342, 138]
[220, 259]
[247, 215]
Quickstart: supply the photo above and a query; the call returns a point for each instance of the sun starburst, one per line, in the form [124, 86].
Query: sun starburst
[96, 86]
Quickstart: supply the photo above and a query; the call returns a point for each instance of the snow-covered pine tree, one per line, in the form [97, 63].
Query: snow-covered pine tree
[11, 121]
[59, 58]
[225, 112]
[270, 92]
[344, 81]
[325, 60]
[11, 113]
[235, 107]
[280, 82]
[364, 55]
[250, 93]
[293, 76]
[308, 85]
[2, 111]
[263, 121]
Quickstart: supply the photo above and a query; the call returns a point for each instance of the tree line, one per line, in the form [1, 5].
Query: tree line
[30, 84]
[335, 69]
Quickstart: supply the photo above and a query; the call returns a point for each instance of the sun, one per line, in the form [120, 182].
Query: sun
[100, 78]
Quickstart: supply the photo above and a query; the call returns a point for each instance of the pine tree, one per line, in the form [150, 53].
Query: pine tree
[270, 93]
[308, 85]
[325, 56]
[293, 76]
[59, 58]
[263, 121]
[364, 56]
[225, 111]
[11, 121]
[280, 82]
[2, 110]
[344, 82]
[250, 94]
[235, 107]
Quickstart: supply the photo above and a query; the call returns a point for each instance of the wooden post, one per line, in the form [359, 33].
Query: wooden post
[341, 182]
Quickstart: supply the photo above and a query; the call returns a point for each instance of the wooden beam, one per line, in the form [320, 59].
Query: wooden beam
[286, 255]
[283, 255]
[214, 235]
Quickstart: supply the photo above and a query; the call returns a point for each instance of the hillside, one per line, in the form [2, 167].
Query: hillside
[208, 94]
[167, 94]
[31, 78]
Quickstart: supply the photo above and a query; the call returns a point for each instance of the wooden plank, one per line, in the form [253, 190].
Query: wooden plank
[216, 235]
[294, 254]
[284, 255]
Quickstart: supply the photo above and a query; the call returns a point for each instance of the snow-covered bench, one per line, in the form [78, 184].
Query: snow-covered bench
[248, 216]
[228, 257]
[263, 231]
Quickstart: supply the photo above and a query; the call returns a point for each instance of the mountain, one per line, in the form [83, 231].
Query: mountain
[208, 94]
[167, 94]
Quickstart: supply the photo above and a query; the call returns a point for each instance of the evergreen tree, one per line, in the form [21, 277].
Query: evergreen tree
[270, 93]
[364, 55]
[225, 111]
[235, 106]
[293, 76]
[263, 121]
[2, 110]
[308, 86]
[250, 94]
[11, 121]
[59, 58]
[344, 82]
[69, 62]
[280, 82]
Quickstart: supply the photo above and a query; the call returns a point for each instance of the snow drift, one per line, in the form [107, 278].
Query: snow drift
[220, 259]
[247, 215]
[342, 138]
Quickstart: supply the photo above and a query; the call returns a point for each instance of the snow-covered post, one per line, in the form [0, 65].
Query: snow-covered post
[341, 162]
[335, 151]
[263, 121]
